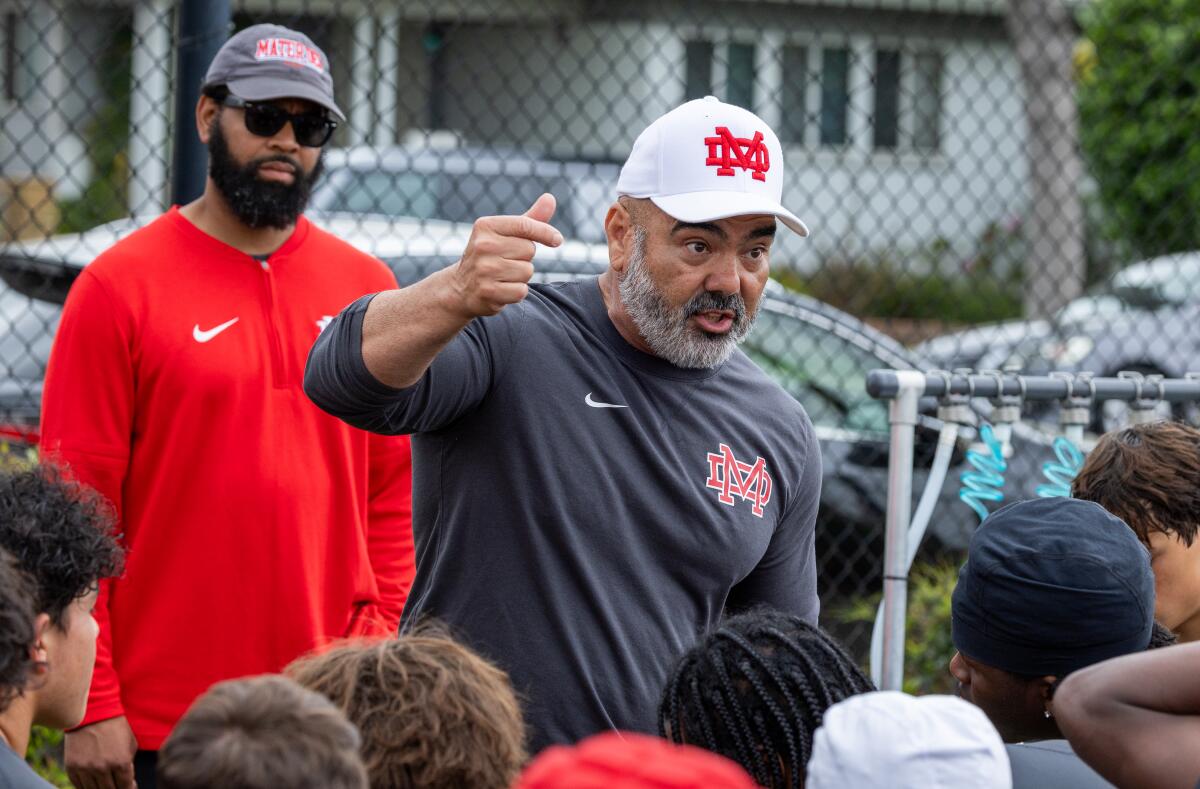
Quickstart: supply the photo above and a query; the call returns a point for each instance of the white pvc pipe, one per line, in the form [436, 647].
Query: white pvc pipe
[902, 414]
[916, 530]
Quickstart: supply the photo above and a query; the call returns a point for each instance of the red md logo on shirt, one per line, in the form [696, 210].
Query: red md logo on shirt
[726, 152]
[731, 477]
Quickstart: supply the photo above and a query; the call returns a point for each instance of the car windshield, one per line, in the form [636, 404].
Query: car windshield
[454, 197]
[825, 372]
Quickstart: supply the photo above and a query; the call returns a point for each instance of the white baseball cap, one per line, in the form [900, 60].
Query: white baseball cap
[707, 160]
[891, 740]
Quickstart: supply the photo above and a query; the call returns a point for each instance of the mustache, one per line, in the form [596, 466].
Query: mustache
[710, 300]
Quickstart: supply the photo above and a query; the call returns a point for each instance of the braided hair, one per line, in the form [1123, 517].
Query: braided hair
[755, 689]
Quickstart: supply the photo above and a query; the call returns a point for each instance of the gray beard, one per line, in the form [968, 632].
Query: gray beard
[666, 329]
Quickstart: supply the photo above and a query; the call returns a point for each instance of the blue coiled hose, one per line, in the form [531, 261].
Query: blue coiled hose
[1060, 474]
[984, 483]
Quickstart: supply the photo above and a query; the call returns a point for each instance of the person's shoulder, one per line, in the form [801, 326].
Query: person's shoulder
[147, 242]
[764, 392]
[16, 774]
[1051, 764]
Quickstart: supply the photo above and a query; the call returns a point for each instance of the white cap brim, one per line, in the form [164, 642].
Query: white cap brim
[710, 206]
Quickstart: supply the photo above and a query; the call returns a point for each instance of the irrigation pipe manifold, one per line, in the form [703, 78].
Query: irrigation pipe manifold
[904, 390]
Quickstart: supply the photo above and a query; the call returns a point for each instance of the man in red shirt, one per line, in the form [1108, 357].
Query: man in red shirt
[257, 527]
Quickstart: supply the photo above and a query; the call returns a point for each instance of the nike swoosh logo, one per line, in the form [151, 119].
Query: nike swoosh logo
[205, 336]
[595, 404]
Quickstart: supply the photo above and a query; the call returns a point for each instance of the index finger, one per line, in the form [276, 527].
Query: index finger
[524, 227]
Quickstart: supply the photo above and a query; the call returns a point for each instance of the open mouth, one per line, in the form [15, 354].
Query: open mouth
[715, 321]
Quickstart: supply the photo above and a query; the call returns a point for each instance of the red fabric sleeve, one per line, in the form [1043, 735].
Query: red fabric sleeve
[87, 418]
[389, 526]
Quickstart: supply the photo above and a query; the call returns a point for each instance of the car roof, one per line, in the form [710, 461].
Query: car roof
[459, 161]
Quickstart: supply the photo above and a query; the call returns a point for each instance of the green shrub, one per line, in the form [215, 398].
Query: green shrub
[928, 647]
[45, 755]
[1139, 106]
[882, 290]
[107, 136]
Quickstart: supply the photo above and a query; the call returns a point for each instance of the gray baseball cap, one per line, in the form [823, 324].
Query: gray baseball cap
[265, 62]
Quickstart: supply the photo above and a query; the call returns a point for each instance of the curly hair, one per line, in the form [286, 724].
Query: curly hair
[432, 713]
[16, 629]
[261, 733]
[1148, 476]
[61, 534]
[754, 690]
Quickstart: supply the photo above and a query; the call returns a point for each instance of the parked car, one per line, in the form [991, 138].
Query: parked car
[818, 353]
[1161, 287]
[460, 184]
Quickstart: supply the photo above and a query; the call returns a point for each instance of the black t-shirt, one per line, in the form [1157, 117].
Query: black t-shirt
[16, 774]
[583, 511]
[1051, 764]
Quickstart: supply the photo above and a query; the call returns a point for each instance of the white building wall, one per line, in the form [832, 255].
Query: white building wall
[587, 90]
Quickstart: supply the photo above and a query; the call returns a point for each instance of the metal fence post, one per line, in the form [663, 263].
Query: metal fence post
[902, 413]
[203, 27]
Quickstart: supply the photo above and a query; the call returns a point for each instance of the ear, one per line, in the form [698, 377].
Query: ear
[1046, 688]
[618, 227]
[207, 111]
[39, 652]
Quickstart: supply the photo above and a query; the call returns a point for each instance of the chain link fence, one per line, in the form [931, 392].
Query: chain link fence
[989, 183]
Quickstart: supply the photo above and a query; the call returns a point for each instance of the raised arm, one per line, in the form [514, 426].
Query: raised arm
[1136, 719]
[404, 330]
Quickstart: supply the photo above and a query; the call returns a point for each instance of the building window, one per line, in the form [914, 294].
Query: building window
[835, 95]
[698, 57]
[739, 78]
[886, 117]
[794, 94]
[10, 20]
[927, 101]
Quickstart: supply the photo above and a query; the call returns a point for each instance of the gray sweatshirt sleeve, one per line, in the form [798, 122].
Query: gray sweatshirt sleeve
[337, 379]
[786, 577]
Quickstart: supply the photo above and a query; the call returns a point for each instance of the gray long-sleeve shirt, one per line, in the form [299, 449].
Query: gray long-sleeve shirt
[583, 511]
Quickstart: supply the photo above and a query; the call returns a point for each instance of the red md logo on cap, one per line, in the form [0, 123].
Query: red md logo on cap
[749, 154]
[290, 51]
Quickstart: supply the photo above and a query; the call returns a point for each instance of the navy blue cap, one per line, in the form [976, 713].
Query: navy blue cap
[1051, 586]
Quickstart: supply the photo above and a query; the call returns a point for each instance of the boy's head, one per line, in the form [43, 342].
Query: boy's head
[261, 733]
[16, 629]
[60, 534]
[1149, 477]
[754, 691]
[432, 713]
[1049, 586]
[631, 761]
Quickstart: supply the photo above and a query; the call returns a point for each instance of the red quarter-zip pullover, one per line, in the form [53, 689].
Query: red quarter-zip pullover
[257, 527]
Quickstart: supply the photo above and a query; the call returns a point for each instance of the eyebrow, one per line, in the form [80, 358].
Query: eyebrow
[707, 227]
[763, 231]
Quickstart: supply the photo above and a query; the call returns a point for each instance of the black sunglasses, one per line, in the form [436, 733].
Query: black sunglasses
[312, 129]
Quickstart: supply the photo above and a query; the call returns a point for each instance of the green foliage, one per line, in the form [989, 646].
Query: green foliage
[45, 755]
[928, 647]
[1139, 105]
[107, 139]
[931, 283]
[16, 457]
[883, 290]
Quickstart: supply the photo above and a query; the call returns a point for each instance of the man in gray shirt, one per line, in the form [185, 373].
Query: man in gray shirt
[598, 472]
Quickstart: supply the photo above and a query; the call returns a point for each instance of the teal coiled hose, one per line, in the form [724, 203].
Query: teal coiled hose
[985, 482]
[1061, 473]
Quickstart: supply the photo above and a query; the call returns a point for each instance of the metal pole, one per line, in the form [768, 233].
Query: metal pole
[203, 27]
[902, 414]
[883, 384]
